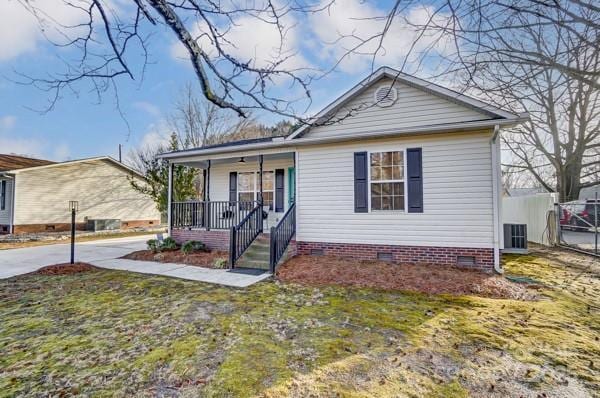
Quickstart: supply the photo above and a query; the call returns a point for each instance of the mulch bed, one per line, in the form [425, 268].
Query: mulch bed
[429, 279]
[201, 259]
[65, 269]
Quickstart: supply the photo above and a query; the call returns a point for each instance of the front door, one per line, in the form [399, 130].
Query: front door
[291, 185]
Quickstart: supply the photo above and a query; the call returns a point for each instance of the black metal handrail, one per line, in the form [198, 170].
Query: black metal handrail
[210, 215]
[281, 235]
[243, 234]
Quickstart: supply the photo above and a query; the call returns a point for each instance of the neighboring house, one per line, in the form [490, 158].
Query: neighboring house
[592, 192]
[396, 168]
[35, 194]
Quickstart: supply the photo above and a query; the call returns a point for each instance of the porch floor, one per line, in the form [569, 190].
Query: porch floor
[190, 272]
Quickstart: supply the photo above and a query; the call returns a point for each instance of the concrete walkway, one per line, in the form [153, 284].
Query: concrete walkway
[106, 253]
[235, 278]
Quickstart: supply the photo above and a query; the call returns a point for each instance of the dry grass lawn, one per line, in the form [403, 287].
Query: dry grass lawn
[110, 333]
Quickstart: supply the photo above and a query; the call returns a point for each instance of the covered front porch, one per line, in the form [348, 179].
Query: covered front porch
[246, 198]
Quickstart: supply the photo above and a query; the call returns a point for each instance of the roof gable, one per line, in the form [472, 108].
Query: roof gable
[419, 103]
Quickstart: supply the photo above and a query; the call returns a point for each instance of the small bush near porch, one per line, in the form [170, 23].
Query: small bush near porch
[112, 333]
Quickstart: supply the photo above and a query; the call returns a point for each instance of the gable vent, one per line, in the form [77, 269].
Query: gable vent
[385, 96]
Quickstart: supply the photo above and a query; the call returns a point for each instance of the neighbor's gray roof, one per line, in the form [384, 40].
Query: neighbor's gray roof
[230, 144]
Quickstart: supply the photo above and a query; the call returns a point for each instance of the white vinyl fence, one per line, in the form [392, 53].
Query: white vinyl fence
[532, 210]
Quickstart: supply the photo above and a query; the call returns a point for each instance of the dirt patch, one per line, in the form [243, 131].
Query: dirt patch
[201, 259]
[329, 270]
[65, 269]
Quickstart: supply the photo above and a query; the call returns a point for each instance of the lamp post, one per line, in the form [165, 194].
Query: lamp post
[74, 206]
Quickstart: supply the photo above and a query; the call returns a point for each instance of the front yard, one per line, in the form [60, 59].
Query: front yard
[110, 333]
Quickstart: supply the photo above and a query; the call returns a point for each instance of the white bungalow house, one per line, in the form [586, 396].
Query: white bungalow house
[397, 169]
[35, 195]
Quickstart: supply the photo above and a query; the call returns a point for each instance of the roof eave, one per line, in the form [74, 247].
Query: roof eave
[431, 129]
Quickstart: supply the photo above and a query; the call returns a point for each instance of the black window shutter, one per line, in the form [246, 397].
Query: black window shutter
[233, 186]
[361, 202]
[414, 162]
[279, 180]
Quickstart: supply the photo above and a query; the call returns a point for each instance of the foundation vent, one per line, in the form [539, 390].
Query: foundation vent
[316, 252]
[465, 261]
[384, 256]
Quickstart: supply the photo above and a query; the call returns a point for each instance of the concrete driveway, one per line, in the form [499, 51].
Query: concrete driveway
[106, 253]
[21, 261]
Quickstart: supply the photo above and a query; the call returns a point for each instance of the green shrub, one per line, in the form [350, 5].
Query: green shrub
[220, 263]
[193, 246]
[168, 244]
[154, 245]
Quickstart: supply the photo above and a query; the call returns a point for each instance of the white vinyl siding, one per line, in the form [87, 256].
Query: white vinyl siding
[413, 108]
[6, 213]
[457, 194]
[102, 189]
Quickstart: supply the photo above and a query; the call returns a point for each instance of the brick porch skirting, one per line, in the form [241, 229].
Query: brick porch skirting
[484, 258]
[214, 240]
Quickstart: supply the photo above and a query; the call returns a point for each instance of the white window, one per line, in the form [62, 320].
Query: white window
[387, 180]
[246, 187]
[249, 187]
[268, 188]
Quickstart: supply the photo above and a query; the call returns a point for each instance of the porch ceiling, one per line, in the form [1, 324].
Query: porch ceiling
[201, 162]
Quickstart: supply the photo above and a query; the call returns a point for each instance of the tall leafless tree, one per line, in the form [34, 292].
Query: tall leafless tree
[525, 55]
[199, 122]
[107, 45]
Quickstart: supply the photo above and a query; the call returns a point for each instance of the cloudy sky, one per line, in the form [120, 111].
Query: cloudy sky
[82, 125]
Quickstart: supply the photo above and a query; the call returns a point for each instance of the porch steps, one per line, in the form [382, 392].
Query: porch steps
[257, 255]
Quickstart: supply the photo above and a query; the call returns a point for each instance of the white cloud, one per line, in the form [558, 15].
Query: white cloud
[346, 22]
[254, 40]
[157, 134]
[147, 107]
[7, 122]
[11, 143]
[21, 30]
[61, 152]
[18, 30]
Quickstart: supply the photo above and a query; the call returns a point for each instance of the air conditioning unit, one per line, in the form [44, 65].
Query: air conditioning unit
[103, 225]
[515, 238]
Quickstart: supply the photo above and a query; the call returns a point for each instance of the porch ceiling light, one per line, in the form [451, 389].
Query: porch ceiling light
[241, 160]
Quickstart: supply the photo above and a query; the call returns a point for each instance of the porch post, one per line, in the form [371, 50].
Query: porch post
[170, 200]
[260, 179]
[207, 198]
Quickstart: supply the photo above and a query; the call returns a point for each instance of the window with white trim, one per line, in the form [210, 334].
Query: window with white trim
[268, 188]
[249, 187]
[387, 180]
[246, 186]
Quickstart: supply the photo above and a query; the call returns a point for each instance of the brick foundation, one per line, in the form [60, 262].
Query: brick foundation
[214, 240]
[80, 226]
[484, 258]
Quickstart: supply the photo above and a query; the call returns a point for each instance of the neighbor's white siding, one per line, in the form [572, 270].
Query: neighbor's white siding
[6, 213]
[413, 108]
[101, 187]
[457, 194]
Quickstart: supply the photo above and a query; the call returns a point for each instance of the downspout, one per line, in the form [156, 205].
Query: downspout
[496, 177]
